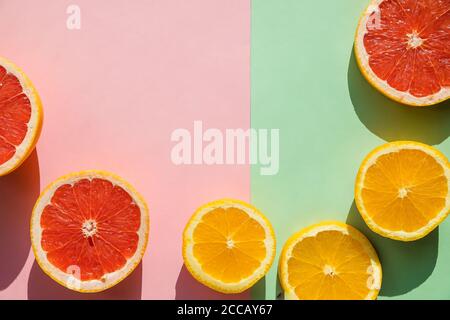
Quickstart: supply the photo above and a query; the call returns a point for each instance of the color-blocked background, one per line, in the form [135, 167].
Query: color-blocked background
[305, 81]
[114, 91]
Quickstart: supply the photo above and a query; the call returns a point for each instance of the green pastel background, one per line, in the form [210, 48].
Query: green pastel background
[306, 83]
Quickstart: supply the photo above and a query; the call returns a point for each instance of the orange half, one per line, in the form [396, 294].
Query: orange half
[228, 245]
[402, 190]
[329, 261]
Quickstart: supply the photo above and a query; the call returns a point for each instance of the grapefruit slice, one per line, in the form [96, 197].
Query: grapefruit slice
[89, 230]
[403, 190]
[403, 49]
[228, 245]
[329, 261]
[20, 117]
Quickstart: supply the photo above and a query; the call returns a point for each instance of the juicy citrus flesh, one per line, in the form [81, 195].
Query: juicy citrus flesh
[91, 224]
[329, 261]
[402, 190]
[228, 245]
[20, 116]
[90, 228]
[406, 43]
[15, 113]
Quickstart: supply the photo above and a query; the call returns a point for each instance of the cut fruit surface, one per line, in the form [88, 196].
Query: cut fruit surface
[402, 190]
[228, 245]
[89, 230]
[329, 261]
[403, 49]
[20, 117]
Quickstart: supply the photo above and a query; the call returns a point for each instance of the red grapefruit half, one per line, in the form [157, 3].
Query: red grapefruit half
[20, 117]
[89, 230]
[403, 49]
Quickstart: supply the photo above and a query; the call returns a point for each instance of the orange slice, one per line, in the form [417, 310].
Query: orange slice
[402, 48]
[20, 117]
[402, 190]
[329, 261]
[89, 230]
[228, 245]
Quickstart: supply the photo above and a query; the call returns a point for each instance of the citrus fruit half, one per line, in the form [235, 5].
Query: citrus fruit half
[329, 261]
[402, 190]
[20, 117]
[89, 230]
[402, 48]
[228, 245]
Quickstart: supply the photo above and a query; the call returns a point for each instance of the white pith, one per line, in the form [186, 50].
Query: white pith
[414, 40]
[195, 266]
[382, 85]
[329, 270]
[66, 278]
[89, 228]
[373, 271]
[230, 244]
[33, 123]
[403, 235]
[403, 192]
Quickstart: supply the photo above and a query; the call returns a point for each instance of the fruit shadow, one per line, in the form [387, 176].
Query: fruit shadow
[279, 293]
[188, 288]
[393, 121]
[258, 291]
[406, 265]
[42, 287]
[18, 193]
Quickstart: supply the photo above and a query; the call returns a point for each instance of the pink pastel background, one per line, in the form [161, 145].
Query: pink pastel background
[113, 92]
